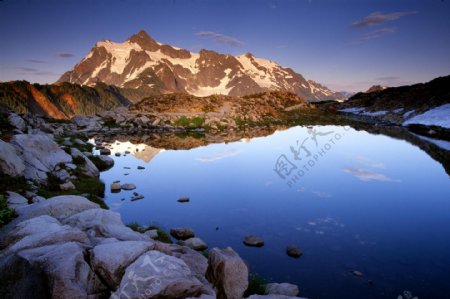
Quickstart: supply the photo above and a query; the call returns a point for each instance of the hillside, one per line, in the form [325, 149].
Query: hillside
[397, 105]
[61, 100]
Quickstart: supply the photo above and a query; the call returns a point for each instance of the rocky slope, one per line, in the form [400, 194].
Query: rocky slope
[67, 246]
[423, 104]
[143, 64]
[60, 101]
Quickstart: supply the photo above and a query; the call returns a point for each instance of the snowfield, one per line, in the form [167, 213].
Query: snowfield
[439, 116]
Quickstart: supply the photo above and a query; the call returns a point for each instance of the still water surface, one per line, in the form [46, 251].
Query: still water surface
[366, 202]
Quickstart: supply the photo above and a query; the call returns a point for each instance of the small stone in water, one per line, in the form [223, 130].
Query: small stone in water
[140, 167]
[184, 199]
[357, 273]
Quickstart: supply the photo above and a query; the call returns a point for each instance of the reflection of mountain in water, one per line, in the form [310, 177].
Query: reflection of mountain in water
[428, 145]
[150, 145]
[147, 154]
[141, 151]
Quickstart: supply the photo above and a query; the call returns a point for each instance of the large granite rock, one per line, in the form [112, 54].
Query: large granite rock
[10, 162]
[66, 270]
[16, 121]
[20, 279]
[111, 259]
[227, 272]
[156, 275]
[88, 168]
[59, 207]
[16, 200]
[41, 231]
[40, 153]
[100, 224]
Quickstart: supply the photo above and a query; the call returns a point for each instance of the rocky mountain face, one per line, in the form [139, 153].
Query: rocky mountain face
[141, 63]
[61, 100]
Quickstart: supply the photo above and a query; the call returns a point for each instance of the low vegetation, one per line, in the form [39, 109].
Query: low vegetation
[256, 285]
[6, 214]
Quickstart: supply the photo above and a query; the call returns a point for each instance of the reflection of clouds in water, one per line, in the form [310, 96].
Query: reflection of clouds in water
[367, 175]
[220, 155]
[322, 194]
[364, 242]
[321, 226]
[367, 162]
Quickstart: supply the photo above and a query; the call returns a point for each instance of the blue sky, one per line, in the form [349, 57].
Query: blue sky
[346, 45]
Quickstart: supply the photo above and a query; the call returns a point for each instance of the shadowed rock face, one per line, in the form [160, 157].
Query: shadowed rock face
[144, 64]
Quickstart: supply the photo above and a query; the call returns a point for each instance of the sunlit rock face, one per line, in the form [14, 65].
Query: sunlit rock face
[143, 64]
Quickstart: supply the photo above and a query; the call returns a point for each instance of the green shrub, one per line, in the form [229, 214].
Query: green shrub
[6, 214]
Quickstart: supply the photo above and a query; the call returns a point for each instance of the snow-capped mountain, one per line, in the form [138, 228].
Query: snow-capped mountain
[142, 63]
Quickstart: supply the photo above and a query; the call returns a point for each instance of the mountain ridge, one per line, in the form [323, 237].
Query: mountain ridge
[144, 64]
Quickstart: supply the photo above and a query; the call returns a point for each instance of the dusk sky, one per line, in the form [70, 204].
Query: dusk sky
[345, 45]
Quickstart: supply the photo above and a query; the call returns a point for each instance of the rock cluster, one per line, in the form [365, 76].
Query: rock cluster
[67, 247]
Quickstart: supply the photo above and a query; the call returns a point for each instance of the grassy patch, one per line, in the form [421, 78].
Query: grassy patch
[256, 285]
[195, 122]
[93, 186]
[6, 214]
[163, 236]
[8, 183]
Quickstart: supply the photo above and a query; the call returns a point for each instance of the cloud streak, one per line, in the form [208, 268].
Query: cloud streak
[373, 34]
[220, 38]
[377, 18]
[65, 54]
[35, 61]
[367, 175]
[219, 156]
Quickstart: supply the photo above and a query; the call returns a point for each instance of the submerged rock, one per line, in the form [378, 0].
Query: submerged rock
[195, 243]
[182, 233]
[253, 241]
[116, 187]
[183, 199]
[105, 151]
[128, 187]
[293, 251]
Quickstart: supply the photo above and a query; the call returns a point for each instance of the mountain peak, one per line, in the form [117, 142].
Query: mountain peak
[144, 40]
[149, 67]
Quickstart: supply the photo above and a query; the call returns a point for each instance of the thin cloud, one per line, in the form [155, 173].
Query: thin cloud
[377, 18]
[27, 69]
[221, 38]
[367, 175]
[322, 194]
[65, 54]
[35, 61]
[219, 156]
[373, 34]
